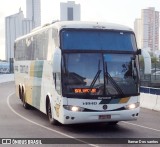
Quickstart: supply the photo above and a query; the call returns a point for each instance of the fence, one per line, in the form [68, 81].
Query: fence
[152, 80]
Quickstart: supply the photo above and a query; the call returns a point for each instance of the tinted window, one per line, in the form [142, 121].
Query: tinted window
[32, 48]
[99, 74]
[97, 40]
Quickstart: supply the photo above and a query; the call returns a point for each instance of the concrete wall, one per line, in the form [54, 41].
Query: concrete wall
[150, 98]
[6, 78]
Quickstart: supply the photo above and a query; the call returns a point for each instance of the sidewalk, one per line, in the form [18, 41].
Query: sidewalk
[6, 78]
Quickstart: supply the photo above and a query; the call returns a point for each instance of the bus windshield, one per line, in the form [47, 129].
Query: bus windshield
[97, 40]
[97, 74]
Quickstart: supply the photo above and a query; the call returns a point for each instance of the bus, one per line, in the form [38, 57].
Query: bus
[79, 72]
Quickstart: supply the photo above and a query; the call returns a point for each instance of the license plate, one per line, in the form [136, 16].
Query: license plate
[104, 116]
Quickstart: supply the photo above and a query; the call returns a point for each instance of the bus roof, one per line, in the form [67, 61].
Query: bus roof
[90, 25]
[79, 25]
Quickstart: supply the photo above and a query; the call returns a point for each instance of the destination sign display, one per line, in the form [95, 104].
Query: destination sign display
[85, 90]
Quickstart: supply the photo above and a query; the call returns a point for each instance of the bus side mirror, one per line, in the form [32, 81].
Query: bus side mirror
[56, 62]
[139, 52]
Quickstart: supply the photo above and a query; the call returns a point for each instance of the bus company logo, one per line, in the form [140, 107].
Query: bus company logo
[101, 98]
[24, 69]
[105, 107]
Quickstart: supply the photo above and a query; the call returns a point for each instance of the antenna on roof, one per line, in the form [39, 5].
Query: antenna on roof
[20, 10]
[54, 21]
[47, 24]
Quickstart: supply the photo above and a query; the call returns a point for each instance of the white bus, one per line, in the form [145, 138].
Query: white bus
[79, 72]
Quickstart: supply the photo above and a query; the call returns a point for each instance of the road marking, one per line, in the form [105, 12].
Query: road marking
[142, 126]
[63, 134]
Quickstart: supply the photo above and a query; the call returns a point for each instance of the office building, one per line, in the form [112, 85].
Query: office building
[33, 12]
[138, 32]
[70, 11]
[147, 29]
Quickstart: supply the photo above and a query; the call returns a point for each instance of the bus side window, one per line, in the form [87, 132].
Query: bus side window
[57, 81]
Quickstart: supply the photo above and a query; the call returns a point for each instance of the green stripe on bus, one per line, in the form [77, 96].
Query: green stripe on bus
[37, 82]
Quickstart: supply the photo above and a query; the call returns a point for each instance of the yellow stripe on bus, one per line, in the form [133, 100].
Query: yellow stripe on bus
[29, 94]
[124, 100]
[32, 66]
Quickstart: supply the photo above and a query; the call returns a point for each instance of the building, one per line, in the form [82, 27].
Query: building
[33, 12]
[138, 32]
[16, 25]
[70, 11]
[147, 29]
[26, 26]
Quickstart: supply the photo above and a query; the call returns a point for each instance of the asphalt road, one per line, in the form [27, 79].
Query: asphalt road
[16, 122]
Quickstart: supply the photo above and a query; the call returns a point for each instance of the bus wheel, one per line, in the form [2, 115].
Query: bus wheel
[25, 105]
[113, 123]
[20, 93]
[49, 113]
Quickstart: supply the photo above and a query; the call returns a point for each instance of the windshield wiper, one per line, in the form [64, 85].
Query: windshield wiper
[115, 85]
[94, 80]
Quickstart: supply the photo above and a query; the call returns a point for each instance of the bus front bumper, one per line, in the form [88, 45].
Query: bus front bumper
[71, 117]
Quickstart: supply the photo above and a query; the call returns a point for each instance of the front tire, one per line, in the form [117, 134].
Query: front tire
[113, 123]
[49, 113]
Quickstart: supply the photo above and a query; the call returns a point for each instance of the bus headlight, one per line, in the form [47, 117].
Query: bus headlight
[73, 108]
[132, 106]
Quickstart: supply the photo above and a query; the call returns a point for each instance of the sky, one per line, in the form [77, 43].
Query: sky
[116, 11]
